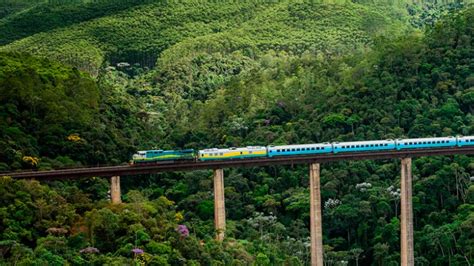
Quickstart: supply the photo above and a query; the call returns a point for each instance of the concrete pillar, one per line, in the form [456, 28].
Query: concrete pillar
[219, 204]
[406, 215]
[315, 213]
[115, 194]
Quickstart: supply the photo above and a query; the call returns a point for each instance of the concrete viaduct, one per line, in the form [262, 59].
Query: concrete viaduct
[314, 161]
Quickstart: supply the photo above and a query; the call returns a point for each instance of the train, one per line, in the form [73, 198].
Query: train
[154, 156]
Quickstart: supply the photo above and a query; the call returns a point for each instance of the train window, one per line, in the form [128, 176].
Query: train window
[371, 145]
[250, 152]
[240, 153]
[292, 149]
[312, 148]
[221, 154]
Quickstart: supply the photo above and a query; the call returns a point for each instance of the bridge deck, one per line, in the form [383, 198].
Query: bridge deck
[123, 170]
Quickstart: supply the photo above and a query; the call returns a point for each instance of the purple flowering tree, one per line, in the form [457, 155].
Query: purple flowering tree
[183, 230]
[137, 251]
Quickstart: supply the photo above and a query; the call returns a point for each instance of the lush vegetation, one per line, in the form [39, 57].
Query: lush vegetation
[212, 75]
[233, 26]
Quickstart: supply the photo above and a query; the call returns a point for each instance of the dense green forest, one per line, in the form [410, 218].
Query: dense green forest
[88, 83]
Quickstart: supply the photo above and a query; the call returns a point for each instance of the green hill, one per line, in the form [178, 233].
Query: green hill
[12, 7]
[142, 33]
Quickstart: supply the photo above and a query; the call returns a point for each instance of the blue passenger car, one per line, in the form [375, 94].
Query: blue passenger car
[465, 141]
[305, 149]
[426, 143]
[361, 146]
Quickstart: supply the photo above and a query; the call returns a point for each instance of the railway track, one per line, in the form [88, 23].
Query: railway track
[124, 170]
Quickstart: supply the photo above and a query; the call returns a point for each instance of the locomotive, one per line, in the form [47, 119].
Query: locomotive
[149, 156]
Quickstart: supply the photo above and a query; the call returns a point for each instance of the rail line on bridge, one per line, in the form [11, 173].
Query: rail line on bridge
[124, 170]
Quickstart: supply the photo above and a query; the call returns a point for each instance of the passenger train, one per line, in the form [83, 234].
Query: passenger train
[148, 156]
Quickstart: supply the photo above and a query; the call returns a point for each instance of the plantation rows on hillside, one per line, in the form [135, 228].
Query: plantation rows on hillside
[140, 34]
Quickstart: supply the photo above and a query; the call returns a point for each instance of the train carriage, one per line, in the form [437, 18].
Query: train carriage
[305, 149]
[361, 146]
[426, 143]
[465, 141]
[232, 153]
[162, 155]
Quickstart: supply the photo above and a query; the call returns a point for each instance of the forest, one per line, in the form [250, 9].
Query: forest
[90, 82]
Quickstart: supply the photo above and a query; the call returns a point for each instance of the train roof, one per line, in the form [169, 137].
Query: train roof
[186, 150]
[387, 141]
[428, 139]
[248, 148]
[326, 144]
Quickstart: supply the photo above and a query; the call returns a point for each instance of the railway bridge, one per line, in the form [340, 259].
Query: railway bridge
[314, 162]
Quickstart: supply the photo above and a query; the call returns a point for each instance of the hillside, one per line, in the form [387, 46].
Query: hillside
[139, 34]
[110, 80]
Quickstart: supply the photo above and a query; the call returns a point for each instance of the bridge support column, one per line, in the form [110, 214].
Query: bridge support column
[315, 213]
[219, 204]
[115, 194]
[406, 215]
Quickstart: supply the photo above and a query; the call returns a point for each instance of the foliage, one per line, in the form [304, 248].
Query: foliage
[233, 75]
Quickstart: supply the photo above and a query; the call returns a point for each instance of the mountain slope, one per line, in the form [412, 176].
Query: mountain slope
[141, 34]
